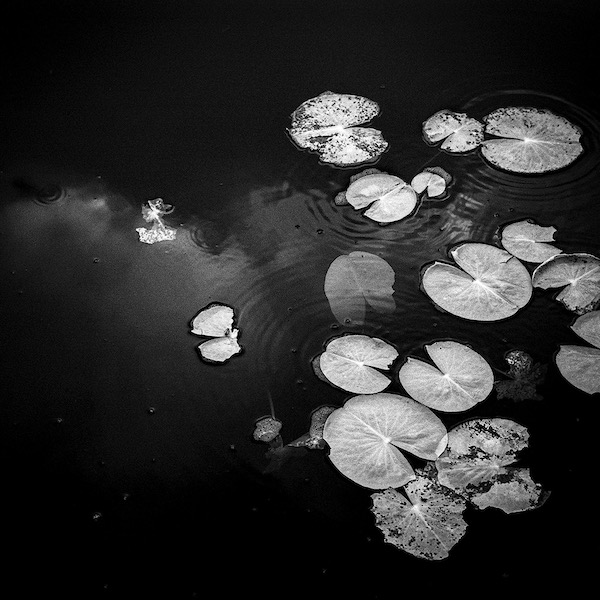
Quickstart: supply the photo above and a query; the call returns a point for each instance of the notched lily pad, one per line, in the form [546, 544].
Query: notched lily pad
[426, 521]
[328, 125]
[479, 464]
[580, 365]
[216, 321]
[433, 181]
[579, 276]
[528, 241]
[458, 132]
[354, 363]
[530, 140]
[367, 433]
[487, 283]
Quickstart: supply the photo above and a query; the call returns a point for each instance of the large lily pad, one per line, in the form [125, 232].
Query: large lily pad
[580, 365]
[459, 132]
[487, 284]
[528, 241]
[328, 125]
[216, 321]
[478, 463]
[354, 363]
[355, 279]
[579, 276]
[389, 198]
[460, 379]
[427, 522]
[531, 140]
[367, 433]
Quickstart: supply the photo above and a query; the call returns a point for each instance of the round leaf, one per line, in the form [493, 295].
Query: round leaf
[580, 366]
[350, 362]
[355, 279]
[587, 327]
[487, 285]
[366, 434]
[527, 241]
[434, 184]
[533, 140]
[462, 379]
[578, 274]
[215, 320]
[427, 524]
[459, 132]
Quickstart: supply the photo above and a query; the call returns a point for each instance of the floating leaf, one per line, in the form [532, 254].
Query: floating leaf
[355, 279]
[427, 522]
[490, 284]
[461, 378]
[478, 463]
[524, 375]
[340, 198]
[216, 321]
[153, 213]
[389, 197]
[580, 365]
[527, 241]
[368, 432]
[459, 132]
[533, 140]
[433, 184]
[350, 362]
[327, 124]
[578, 274]
[267, 429]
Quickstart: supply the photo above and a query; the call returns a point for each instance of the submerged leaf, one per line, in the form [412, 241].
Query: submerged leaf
[580, 365]
[532, 140]
[487, 285]
[579, 276]
[527, 241]
[327, 124]
[368, 432]
[355, 279]
[478, 463]
[459, 132]
[350, 362]
[216, 321]
[313, 440]
[427, 522]
[461, 378]
[389, 197]
[525, 377]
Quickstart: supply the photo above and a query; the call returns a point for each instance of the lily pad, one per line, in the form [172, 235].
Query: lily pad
[579, 276]
[531, 140]
[478, 463]
[459, 132]
[367, 433]
[355, 279]
[432, 183]
[216, 321]
[267, 429]
[354, 363]
[528, 241]
[426, 522]
[328, 125]
[389, 197]
[460, 379]
[580, 365]
[487, 285]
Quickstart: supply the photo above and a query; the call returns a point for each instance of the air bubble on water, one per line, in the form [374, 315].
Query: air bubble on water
[151, 410]
[96, 516]
[96, 260]
[348, 321]
[334, 326]
[125, 496]
[299, 381]
[319, 231]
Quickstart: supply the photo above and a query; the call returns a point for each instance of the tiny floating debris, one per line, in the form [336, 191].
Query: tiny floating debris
[154, 213]
[216, 321]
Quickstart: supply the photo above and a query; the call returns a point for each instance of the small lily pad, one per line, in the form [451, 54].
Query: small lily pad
[528, 241]
[216, 321]
[458, 132]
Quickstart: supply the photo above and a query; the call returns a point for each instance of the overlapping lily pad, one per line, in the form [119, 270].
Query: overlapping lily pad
[216, 321]
[458, 132]
[367, 433]
[328, 124]
[487, 283]
[460, 379]
[354, 363]
[530, 140]
[478, 463]
[432, 183]
[579, 276]
[356, 279]
[528, 241]
[580, 365]
[426, 522]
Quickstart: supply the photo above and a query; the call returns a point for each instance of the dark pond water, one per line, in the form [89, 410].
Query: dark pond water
[128, 465]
